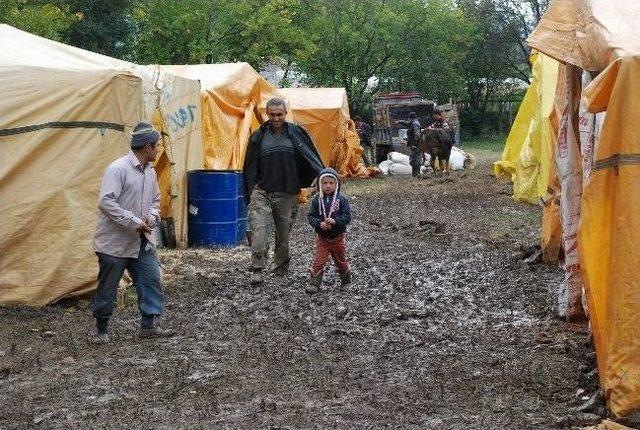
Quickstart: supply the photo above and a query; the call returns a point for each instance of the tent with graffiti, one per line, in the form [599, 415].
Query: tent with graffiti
[324, 112]
[65, 114]
[230, 99]
[597, 161]
[172, 103]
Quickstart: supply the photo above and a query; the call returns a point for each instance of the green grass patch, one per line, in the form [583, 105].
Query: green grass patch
[485, 143]
[359, 187]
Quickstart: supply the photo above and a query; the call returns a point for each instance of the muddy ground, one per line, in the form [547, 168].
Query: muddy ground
[445, 327]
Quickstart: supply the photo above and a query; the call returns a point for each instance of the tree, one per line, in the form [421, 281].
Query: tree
[46, 19]
[492, 66]
[273, 32]
[352, 41]
[214, 31]
[171, 32]
[471, 50]
[519, 18]
[104, 26]
[429, 59]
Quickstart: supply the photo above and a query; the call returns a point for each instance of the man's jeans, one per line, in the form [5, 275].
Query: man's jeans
[263, 207]
[414, 160]
[145, 273]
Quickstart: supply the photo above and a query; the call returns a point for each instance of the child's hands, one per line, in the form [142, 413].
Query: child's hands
[325, 225]
[331, 221]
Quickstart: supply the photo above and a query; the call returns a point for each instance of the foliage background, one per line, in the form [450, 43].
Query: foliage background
[469, 51]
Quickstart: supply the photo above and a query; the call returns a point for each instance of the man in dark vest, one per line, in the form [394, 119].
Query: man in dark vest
[280, 160]
[413, 137]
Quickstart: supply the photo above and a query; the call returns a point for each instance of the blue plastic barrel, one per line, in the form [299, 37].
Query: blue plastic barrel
[242, 212]
[212, 206]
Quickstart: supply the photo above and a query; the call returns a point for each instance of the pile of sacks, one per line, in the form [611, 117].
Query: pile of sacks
[397, 163]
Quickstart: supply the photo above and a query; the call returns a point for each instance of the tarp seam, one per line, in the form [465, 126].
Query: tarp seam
[67, 124]
[616, 160]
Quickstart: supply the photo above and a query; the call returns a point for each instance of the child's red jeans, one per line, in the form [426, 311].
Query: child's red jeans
[326, 247]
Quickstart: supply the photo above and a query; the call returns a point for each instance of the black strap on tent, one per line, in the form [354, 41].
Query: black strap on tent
[617, 160]
[66, 124]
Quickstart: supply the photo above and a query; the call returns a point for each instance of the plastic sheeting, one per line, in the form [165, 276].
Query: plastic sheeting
[526, 156]
[231, 96]
[551, 230]
[602, 36]
[65, 115]
[324, 113]
[589, 34]
[610, 233]
[568, 165]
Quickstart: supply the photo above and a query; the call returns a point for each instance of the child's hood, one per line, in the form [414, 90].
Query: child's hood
[328, 171]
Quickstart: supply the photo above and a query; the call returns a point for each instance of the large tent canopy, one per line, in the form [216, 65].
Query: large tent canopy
[65, 114]
[590, 34]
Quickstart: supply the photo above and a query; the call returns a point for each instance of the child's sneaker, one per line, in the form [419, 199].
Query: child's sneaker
[314, 284]
[312, 289]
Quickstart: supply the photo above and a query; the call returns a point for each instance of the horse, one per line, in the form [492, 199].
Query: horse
[437, 143]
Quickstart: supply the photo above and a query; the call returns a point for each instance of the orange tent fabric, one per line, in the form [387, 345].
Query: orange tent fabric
[603, 36]
[610, 233]
[230, 99]
[324, 112]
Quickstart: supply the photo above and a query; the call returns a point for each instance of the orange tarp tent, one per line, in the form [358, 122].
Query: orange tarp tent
[230, 99]
[324, 113]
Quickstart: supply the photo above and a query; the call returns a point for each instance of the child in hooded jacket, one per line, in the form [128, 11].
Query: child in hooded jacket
[329, 214]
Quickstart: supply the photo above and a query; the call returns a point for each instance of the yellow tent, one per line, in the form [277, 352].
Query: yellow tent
[62, 121]
[526, 157]
[602, 36]
[172, 103]
[230, 99]
[65, 115]
[324, 113]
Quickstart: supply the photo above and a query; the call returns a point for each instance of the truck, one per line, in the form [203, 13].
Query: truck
[390, 107]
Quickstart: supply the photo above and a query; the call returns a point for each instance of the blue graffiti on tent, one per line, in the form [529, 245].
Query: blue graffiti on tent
[181, 117]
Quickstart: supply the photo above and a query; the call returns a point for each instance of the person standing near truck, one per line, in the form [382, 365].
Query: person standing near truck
[413, 137]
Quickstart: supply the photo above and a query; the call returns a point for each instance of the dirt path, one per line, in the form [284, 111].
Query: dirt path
[445, 327]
